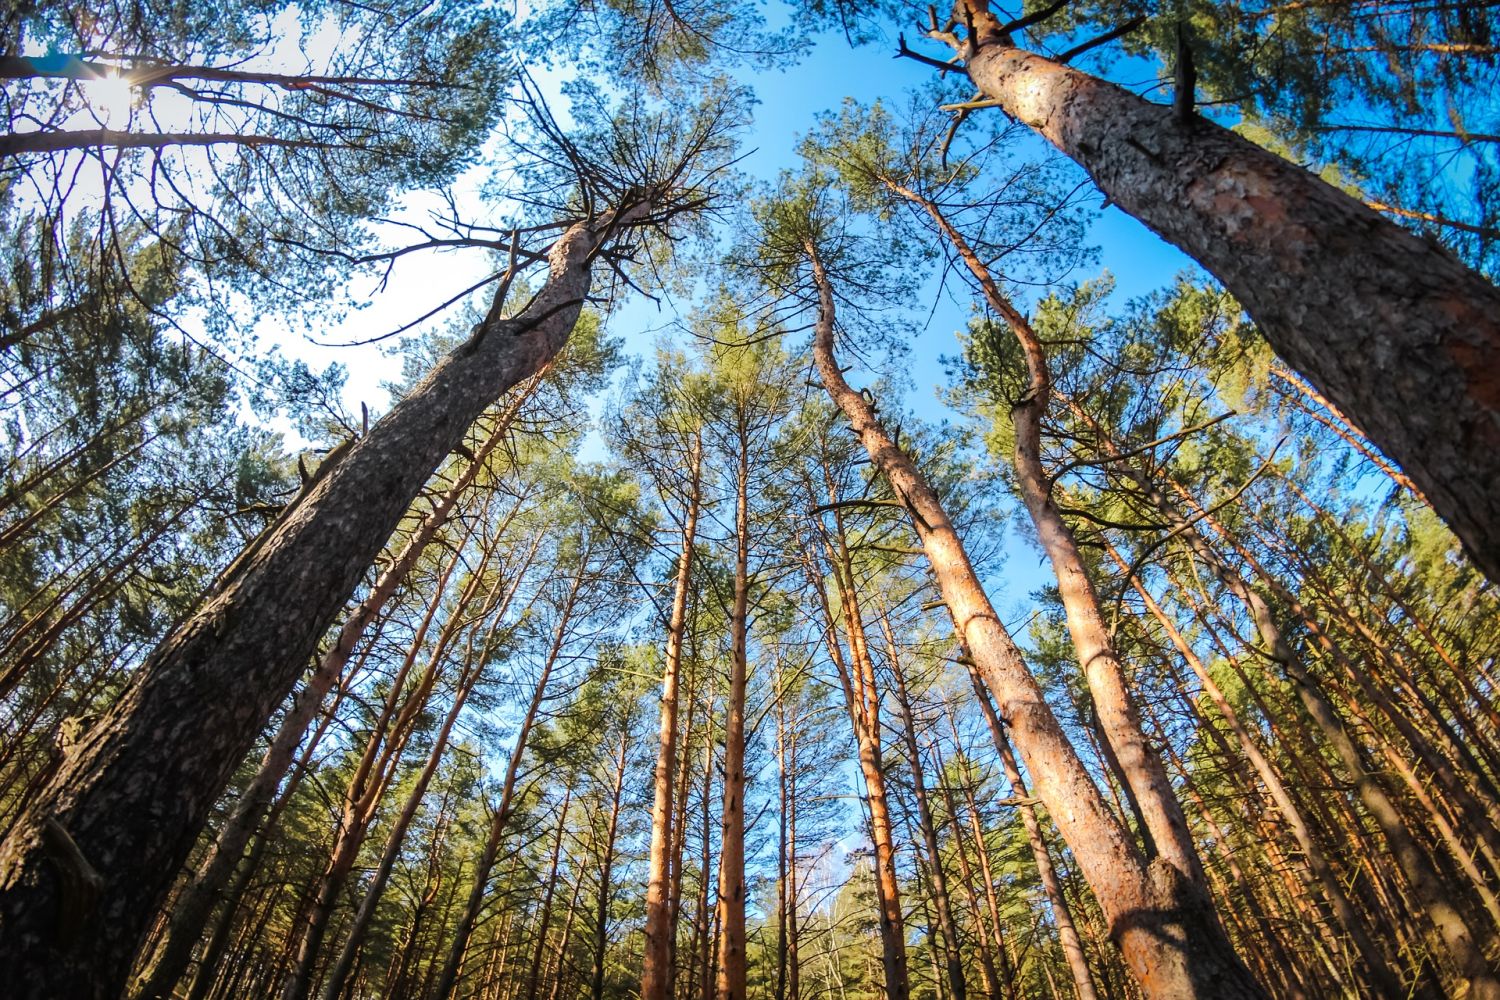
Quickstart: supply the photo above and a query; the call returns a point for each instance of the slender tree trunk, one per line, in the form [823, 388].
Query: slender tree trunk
[1163, 923]
[952, 959]
[1062, 916]
[453, 964]
[656, 964]
[339, 971]
[538, 959]
[679, 839]
[1382, 978]
[1142, 776]
[1425, 881]
[994, 987]
[372, 775]
[606, 891]
[1391, 327]
[864, 718]
[732, 969]
[700, 981]
[85, 870]
[783, 849]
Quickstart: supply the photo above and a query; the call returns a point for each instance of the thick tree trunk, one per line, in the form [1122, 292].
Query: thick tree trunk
[1164, 925]
[85, 870]
[1388, 325]
[656, 971]
[730, 983]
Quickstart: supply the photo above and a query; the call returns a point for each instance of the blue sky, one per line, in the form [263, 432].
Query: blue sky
[789, 101]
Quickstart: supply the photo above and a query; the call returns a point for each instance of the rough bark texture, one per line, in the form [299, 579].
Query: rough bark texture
[135, 792]
[1388, 325]
[1163, 924]
[1119, 719]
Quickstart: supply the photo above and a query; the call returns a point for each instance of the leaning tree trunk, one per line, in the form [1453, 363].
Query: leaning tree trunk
[1163, 923]
[191, 908]
[87, 867]
[1164, 827]
[1390, 326]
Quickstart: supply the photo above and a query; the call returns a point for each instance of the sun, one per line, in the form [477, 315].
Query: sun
[110, 99]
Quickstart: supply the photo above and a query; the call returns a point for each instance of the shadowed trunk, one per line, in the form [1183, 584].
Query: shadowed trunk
[86, 868]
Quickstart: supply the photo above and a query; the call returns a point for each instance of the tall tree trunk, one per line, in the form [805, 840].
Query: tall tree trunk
[343, 965]
[1382, 978]
[474, 665]
[1142, 776]
[864, 718]
[538, 958]
[1163, 923]
[656, 973]
[89, 864]
[484, 865]
[1390, 326]
[952, 959]
[730, 983]
[606, 890]
[679, 838]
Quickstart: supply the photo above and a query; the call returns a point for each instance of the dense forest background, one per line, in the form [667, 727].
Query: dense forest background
[800, 574]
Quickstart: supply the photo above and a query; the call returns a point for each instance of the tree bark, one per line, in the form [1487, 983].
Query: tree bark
[192, 906]
[132, 798]
[1164, 925]
[1425, 882]
[656, 971]
[1062, 916]
[730, 983]
[1391, 327]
